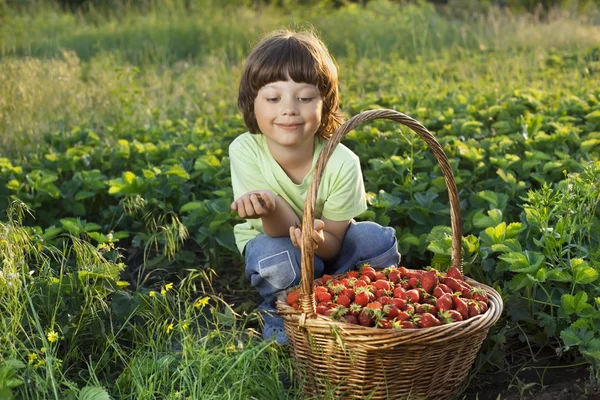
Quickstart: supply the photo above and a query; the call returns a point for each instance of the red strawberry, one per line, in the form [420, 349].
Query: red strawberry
[445, 302]
[429, 281]
[428, 320]
[351, 319]
[391, 311]
[381, 284]
[375, 305]
[403, 316]
[473, 310]
[348, 292]
[293, 297]
[365, 318]
[453, 284]
[461, 307]
[399, 292]
[465, 290]
[412, 295]
[362, 298]
[449, 316]
[479, 294]
[414, 282]
[482, 306]
[408, 325]
[322, 309]
[400, 303]
[425, 308]
[355, 309]
[379, 293]
[438, 292]
[409, 308]
[445, 288]
[455, 273]
[369, 271]
[353, 274]
[385, 299]
[384, 324]
[360, 283]
[343, 300]
[326, 278]
[394, 276]
[365, 278]
[403, 272]
[380, 276]
[323, 297]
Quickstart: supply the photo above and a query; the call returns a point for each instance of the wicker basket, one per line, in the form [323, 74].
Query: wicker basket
[339, 360]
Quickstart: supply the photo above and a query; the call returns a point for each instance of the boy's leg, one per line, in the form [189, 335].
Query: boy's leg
[273, 265]
[365, 242]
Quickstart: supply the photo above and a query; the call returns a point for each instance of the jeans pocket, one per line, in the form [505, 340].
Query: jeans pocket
[278, 270]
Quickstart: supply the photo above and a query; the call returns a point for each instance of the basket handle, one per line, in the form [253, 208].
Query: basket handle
[307, 245]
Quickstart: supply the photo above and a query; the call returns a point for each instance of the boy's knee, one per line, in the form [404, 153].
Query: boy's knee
[378, 243]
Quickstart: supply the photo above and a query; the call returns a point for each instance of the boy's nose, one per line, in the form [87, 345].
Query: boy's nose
[288, 108]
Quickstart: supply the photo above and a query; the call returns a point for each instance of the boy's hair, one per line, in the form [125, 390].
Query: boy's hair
[303, 57]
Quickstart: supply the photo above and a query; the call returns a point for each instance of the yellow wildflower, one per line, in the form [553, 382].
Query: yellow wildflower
[152, 293]
[201, 302]
[52, 336]
[163, 292]
[32, 358]
[122, 283]
[170, 327]
[43, 350]
[168, 286]
[185, 325]
[39, 364]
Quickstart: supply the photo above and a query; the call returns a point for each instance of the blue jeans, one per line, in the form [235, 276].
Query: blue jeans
[273, 264]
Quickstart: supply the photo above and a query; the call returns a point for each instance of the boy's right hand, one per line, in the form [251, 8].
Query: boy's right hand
[255, 204]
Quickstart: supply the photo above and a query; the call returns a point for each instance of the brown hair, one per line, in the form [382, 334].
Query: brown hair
[304, 58]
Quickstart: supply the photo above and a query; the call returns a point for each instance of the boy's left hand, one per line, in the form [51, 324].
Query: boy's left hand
[318, 234]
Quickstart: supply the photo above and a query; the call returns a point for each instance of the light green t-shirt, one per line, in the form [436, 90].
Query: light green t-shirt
[341, 192]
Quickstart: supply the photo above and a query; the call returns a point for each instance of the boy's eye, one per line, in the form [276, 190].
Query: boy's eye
[272, 99]
[305, 99]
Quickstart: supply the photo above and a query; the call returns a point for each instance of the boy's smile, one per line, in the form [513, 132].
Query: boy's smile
[288, 113]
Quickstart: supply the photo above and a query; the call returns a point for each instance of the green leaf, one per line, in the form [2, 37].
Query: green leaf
[574, 304]
[525, 262]
[51, 233]
[129, 177]
[93, 393]
[559, 275]
[191, 206]
[179, 171]
[582, 272]
[513, 229]
[481, 221]
[72, 225]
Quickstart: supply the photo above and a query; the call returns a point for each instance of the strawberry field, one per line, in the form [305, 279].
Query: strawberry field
[119, 274]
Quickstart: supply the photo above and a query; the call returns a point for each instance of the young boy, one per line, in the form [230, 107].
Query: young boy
[289, 98]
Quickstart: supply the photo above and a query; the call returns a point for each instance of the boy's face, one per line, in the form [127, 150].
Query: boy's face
[288, 113]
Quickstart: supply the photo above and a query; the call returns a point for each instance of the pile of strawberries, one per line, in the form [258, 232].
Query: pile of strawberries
[397, 298]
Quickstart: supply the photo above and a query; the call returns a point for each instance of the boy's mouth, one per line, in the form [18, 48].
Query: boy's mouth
[289, 127]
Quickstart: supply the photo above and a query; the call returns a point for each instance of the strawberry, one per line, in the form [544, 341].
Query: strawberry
[400, 303]
[365, 278]
[351, 319]
[394, 276]
[449, 316]
[352, 274]
[360, 283]
[453, 284]
[382, 284]
[384, 324]
[479, 294]
[425, 308]
[445, 288]
[293, 297]
[455, 273]
[379, 293]
[429, 281]
[375, 305]
[343, 300]
[403, 316]
[408, 325]
[482, 306]
[414, 282]
[355, 309]
[380, 276]
[362, 298]
[427, 298]
[403, 272]
[428, 320]
[409, 308]
[385, 299]
[473, 310]
[445, 302]
[412, 295]
[322, 309]
[323, 297]
[465, 290]
[369, 271]
[336, 288]
[326, 278]
[399, 292]
[365, 318]
[348, 292]
[438, 292]
[461, 307]
[391, 311]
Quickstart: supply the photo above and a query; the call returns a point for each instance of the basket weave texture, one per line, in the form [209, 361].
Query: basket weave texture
[346, 361]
